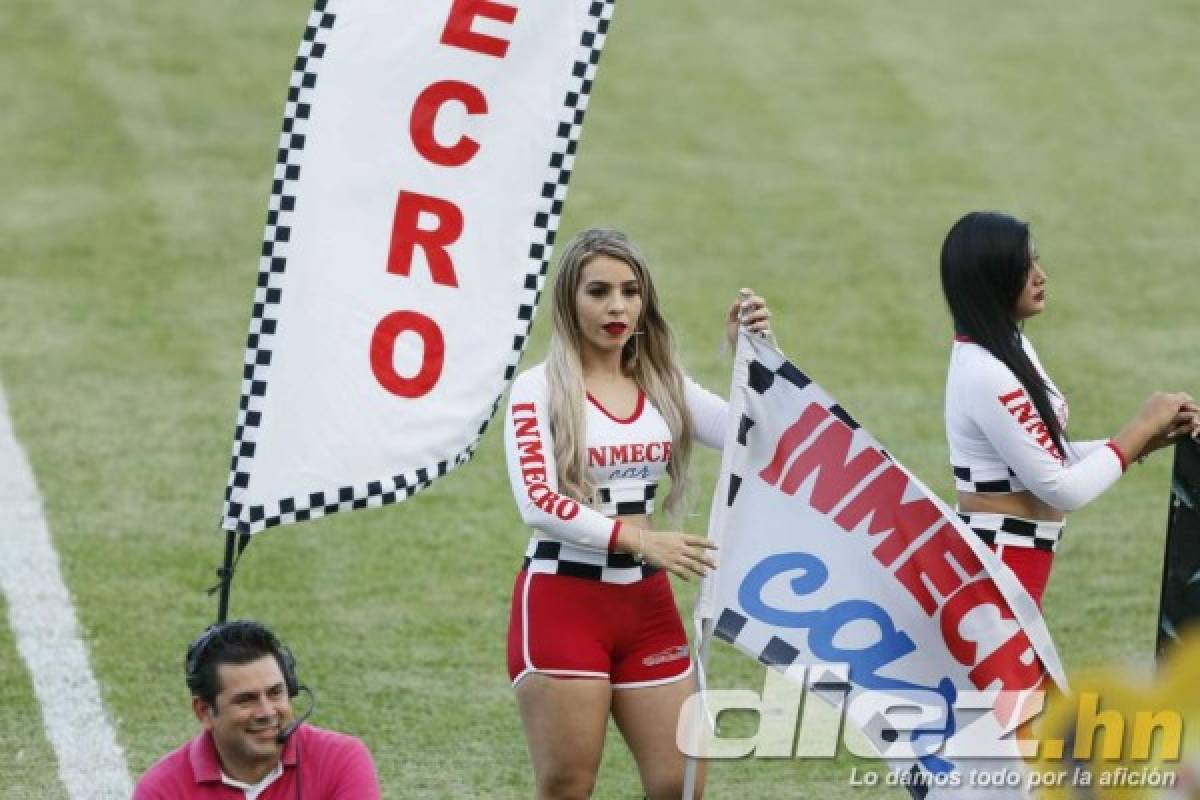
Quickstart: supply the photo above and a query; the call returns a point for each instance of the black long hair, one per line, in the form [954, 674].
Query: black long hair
[985, 265]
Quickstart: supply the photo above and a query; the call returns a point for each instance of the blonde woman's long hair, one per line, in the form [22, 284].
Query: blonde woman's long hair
[649, 358]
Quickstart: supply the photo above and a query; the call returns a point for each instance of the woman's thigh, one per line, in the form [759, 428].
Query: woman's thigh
[648, 718]
[565, 721]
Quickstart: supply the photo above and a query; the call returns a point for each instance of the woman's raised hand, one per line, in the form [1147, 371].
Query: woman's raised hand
[750, 311]
[1165, 416]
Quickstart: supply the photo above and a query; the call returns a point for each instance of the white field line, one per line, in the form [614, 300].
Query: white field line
[90, 762]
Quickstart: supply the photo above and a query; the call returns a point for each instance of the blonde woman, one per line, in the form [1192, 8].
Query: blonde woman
[589, 434]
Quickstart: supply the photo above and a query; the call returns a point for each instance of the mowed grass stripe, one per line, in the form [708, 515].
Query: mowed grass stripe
[41, 614]
[118, 326]
[26, 758]
[47, 191]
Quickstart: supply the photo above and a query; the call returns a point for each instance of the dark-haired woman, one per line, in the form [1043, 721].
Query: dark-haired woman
[1016, 472]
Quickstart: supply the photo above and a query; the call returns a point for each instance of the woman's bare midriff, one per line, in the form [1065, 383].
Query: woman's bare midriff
[1024, 504]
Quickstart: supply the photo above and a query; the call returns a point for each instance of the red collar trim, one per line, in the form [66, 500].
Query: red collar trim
[958, 337]
[637, 409]
[206, 766]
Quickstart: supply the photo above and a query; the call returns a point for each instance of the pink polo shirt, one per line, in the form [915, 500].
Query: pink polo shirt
[325, 764]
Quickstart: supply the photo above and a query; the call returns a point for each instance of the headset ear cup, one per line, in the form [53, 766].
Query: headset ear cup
[195, 652]
[190, 677]
[287, 662]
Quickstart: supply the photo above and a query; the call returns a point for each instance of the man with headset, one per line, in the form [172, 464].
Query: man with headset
[242, 681]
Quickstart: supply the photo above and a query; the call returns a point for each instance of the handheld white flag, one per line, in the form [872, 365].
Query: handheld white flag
[832, 553]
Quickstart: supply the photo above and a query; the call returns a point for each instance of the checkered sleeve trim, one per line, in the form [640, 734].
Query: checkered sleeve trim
[247, 519]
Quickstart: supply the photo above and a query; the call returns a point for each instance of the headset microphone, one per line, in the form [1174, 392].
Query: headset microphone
[284, 734]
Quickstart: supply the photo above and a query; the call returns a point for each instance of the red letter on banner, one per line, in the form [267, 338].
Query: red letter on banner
[1014, 664]
[882, 503]
[964, 601]
[406, 235]
[424, 114]
[458, 30]
[383, 344]
[826, 456]
[935, 559]
[793, 437]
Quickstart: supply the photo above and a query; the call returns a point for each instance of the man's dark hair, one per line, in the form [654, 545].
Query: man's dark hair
[240, 641]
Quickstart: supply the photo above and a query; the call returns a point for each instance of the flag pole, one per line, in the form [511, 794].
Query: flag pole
[704, 609]
[235, 545]
[225, 577]
[691, 768]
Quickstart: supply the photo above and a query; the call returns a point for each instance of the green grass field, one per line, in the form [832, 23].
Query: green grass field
[816, 151]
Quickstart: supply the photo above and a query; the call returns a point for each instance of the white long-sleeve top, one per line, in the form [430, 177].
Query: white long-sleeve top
[626, 459]
[999, 443]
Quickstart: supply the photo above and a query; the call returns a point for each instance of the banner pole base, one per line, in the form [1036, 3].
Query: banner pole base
[225, 577]
[692, 766]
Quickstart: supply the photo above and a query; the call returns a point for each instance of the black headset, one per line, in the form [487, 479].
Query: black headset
[213, 633]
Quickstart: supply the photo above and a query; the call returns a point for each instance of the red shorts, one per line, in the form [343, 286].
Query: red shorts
[629, 634]
[1031, 565]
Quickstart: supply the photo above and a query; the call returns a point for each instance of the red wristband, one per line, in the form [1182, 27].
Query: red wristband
[1120, 455]
[612, 539]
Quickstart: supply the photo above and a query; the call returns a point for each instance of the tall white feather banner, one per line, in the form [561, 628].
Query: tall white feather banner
[421, 174]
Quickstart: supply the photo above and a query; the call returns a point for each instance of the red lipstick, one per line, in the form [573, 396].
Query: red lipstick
[615, 328]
